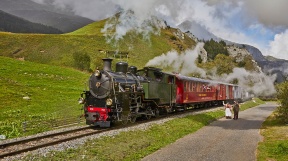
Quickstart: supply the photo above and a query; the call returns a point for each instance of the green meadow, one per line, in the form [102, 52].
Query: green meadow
[275, 143]
[37, 93]
[59, 49]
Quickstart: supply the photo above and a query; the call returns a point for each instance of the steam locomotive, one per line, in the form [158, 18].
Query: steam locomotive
[128, 93]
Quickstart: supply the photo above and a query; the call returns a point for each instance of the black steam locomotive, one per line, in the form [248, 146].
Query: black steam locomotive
[120, 95]
[128, 93]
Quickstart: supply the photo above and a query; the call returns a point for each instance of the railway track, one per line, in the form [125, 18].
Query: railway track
[29, 144]
[24, 145]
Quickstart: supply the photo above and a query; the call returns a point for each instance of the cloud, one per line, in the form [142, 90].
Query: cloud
[39, 1]
[270, 13]
[267, 12]
[92, 9]
[279, 47]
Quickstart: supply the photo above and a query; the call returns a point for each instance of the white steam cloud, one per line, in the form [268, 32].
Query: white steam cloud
[262, 84]
[115, 28]
[184, 63]
[181, 63]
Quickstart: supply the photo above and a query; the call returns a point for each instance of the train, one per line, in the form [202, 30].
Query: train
[129, 93]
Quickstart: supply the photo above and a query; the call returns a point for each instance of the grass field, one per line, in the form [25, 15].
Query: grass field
[59, 49]
[37, 92]
[275, 142]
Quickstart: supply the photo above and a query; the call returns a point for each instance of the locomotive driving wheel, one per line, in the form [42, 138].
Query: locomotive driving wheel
[128, 117]
[149, 113]
[156, 112]
[124, 119]
[132, 117]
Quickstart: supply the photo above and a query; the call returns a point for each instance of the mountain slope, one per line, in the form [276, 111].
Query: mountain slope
[65, 23]
[15, 24]
[199, 31]
[268, 66]
[45, 14]
[59, 49]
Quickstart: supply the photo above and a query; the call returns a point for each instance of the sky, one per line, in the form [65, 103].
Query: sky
[260, 23]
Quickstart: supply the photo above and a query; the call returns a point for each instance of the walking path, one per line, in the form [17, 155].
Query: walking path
[224, 139]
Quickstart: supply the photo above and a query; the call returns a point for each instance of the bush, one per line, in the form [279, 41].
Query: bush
[173, 38]
[282, 95]
[81, 61]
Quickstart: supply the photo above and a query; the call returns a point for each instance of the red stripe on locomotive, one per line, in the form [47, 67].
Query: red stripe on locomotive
[103, 112]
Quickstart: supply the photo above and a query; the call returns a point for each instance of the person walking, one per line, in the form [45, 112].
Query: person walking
[227, 108]
[236, 108]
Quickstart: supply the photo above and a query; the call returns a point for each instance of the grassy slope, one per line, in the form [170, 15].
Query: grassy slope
[275, 143]
[53, 93]
[58, 49]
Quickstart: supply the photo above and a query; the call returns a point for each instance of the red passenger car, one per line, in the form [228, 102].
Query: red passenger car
[200, 92]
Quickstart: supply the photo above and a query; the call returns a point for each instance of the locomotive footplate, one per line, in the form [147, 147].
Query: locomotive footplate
[102, 123]
[99, 123]
[94, 116]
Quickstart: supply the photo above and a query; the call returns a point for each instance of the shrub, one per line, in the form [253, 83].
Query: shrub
[173, 37]
[81, 61]
[282, 95]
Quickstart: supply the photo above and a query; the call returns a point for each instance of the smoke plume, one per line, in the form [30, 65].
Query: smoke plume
[184, 63]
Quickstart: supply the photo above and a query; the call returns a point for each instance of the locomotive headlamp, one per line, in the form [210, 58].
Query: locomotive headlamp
[97, 73]
[109, 102]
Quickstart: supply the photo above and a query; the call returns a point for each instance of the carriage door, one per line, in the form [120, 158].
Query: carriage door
[227, 92]
[172, 90]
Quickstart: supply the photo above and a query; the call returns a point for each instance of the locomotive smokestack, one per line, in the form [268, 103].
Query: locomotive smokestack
[107, 63]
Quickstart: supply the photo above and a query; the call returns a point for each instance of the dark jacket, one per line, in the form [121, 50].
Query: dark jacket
[236, 107]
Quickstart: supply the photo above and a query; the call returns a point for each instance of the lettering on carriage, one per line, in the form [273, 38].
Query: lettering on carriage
[202, 95]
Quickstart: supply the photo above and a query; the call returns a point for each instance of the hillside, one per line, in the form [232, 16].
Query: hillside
[37, 92]
[44, 14]
[59, 49]
[15, 24]
[65, 23]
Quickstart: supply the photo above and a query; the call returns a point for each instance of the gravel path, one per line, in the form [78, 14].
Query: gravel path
[225, 139]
